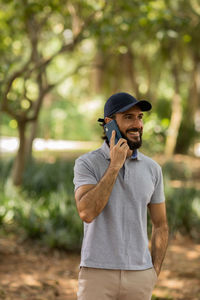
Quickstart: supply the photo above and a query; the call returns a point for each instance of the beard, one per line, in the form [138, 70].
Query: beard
[133, 145]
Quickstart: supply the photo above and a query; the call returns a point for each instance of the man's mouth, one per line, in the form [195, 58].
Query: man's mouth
[134, 133]
[133, 137]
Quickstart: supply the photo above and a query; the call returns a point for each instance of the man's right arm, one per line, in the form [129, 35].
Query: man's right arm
[91, 199]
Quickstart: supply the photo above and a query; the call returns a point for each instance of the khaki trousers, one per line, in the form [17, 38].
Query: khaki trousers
[101, 284]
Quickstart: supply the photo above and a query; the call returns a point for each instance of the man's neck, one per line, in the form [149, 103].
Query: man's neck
[129, 153]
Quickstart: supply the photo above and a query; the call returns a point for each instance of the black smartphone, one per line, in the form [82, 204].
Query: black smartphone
[109, 127]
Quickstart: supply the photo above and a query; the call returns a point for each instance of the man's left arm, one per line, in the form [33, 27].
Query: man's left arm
[160, 234]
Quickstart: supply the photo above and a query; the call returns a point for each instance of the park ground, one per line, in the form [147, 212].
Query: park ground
[33, 272]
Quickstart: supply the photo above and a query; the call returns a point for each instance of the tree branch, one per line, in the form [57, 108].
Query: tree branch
[10, 82]
[8, 111]
[51, 86]
[26, 70]
[195, 7]
[71, 46]
[48, 89]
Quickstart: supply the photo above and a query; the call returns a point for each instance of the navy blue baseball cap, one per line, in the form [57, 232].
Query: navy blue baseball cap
[121, 102]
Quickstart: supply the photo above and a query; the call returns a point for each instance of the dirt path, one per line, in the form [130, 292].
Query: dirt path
[31, 272]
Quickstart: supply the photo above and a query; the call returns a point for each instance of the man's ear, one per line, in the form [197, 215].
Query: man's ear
[107, 120]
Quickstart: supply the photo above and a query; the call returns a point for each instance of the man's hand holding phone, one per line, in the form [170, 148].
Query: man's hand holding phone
[118, 152]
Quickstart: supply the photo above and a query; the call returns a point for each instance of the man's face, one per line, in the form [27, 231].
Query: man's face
[130, 124]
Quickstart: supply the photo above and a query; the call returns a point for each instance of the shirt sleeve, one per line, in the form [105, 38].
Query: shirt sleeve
[158, 194]
[83, 174]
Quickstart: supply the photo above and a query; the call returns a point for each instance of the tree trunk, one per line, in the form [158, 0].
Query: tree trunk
[98, 73]
[30, 139]
[116, 80]
[196, 88]
[19, 163]
[176, 116]
[130, 72]
[188, 126]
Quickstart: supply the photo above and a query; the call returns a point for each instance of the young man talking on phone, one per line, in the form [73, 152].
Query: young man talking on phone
[114, 187]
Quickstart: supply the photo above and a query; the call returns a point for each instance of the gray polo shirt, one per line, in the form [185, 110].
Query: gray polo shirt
[117, 237]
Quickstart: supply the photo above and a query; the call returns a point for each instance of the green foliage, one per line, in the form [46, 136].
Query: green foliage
[5, 169]
[3, 209]
[155, 36]
[183, 204]
[177, 171]
[183, 211]
[187, 135]
[62, 120]
[42, 178]
[53, 219]
[45, 209]
[154, 134]
[183, 208]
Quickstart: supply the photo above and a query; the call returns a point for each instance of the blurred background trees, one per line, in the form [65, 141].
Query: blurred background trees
[41, 39]
[61, 60]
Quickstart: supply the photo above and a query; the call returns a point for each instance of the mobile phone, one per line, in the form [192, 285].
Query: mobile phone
[109, 127]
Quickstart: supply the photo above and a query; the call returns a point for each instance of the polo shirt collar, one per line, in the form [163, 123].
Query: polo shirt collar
[106, 152]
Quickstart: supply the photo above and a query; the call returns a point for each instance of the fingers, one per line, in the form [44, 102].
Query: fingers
[118, 152]
[112, 140]
[124, 146]
[122, 142]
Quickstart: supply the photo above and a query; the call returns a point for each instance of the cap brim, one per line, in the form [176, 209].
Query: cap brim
[143, 104]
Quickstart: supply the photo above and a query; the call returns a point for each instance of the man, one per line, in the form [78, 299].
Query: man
[113, 190]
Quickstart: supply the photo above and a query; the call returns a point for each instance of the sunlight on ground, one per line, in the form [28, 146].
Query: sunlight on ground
[72, 286]
[29, 273]
[29, 280]
[191, 254]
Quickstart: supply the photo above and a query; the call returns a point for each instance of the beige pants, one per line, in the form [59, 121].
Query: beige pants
[101, 284]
